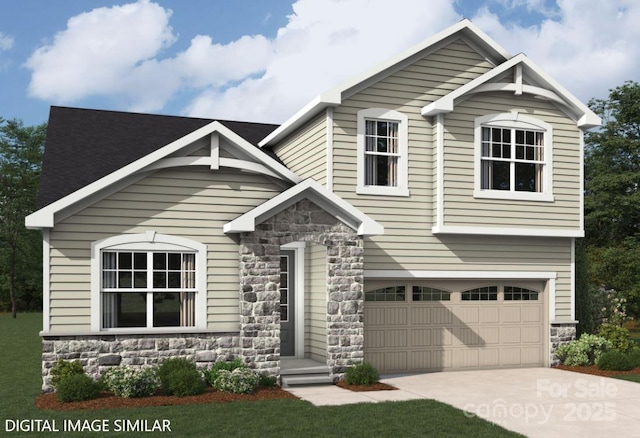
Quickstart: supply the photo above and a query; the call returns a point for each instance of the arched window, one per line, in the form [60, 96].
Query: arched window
[393, 293]
[514, 293]
[148, 281]
[488, 293]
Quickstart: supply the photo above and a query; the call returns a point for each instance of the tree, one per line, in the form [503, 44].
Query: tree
[584, 306]
[612, 194]
[21, 151]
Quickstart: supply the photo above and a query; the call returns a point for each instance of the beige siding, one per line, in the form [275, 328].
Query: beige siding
[304, 152]
[408, 242]
[461, 209]
[189, 203]
[316, 302]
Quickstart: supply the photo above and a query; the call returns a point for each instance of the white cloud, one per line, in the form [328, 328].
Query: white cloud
[586, 45]
[6, 42]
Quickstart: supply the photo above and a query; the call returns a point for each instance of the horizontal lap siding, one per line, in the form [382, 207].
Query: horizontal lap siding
[189, 203]
[461, 209]
[408, 243]
[304, 152]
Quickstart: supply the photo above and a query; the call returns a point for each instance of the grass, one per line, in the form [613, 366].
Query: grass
[630, 377]
[21, 379]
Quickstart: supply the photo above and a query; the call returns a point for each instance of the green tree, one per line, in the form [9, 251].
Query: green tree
[584, 305]
[612, 194]
[21, 151]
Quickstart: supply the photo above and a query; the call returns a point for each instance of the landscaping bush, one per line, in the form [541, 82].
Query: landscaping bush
[211, 374]
[634, 356]
[129, 382]
[267, 381]
[77, 387]
[583, 351]
[63, 369]
[618, 336]
[361, 374]
[239, 381]
[615, 361]
[180, 377]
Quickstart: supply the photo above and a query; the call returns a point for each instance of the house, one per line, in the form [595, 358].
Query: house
[420, 217]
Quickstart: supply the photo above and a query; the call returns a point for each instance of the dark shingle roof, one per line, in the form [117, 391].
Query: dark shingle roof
[83, 145]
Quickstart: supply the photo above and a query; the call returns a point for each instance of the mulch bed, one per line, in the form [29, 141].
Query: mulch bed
[359, 388]
[593, 369]
[107, 400]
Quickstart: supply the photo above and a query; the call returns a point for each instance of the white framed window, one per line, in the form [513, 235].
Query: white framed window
[513, 158]
[382, 152]
[148, 281]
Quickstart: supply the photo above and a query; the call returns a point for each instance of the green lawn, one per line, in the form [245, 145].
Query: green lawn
[20, 384]
[630, 377]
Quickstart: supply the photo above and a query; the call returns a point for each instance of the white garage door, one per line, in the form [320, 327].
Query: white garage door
[455, 325]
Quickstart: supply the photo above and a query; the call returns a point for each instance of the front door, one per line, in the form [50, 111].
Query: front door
[287, 303]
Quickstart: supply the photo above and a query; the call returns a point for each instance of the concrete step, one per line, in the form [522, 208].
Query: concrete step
[318, 369]
[316, 379]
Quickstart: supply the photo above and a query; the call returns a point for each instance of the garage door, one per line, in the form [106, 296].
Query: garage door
[457, 325]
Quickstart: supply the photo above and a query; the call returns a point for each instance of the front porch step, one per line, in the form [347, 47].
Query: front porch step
[317, 379]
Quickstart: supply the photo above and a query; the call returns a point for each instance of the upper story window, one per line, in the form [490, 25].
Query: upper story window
[382, 152]
[148, 281]
[513, 158]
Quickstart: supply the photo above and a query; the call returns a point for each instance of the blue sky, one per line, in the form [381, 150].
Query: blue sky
[262, 60]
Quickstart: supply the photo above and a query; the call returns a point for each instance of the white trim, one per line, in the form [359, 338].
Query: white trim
[440, 170]
[517, 80]
[464, 29]
[563, 322]
[581, 194]
[142, 242]
[552, 299]
[329, 149]
[403, 149]
[45, 217]
[46, 280]
[572, 301]
[495, 231]
[299, 249]
[215, 151]
[584, 117]
[480, 275]
[312, 190]
[513, 120]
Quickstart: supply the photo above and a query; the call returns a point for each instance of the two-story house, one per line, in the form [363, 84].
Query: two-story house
[420, 217]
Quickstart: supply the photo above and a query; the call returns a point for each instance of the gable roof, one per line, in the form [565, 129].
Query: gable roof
[464, 29]
[84, 145]
[545, 87]
[313, 191]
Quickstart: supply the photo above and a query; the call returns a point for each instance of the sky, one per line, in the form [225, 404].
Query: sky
[261, 61]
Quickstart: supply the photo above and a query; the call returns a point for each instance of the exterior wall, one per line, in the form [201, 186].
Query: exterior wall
[98, 353]
[461, 209]
[260, 286]
[560, 334]
[304, 152]
[408, 243]
[190, 202]
[316, 302]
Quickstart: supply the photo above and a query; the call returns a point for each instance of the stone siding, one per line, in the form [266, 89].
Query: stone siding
[560, 333]
[98, 353]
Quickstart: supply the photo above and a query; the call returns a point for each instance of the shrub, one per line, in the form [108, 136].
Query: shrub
[618, 336]
[239, 381]
[211, 374]
[128, 382]
[183, 382]
[634, 356]
[361, 374]
[583, 351]
[615, 361]
[77, 387]
[267, 381]
[63, 369]
[170, 366]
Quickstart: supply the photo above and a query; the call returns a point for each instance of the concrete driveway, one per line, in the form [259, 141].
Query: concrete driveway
[537, 402]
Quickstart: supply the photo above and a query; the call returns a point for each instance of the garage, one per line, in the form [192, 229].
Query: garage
[454, 325]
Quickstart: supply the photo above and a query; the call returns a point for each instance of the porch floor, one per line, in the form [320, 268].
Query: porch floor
[303, 372]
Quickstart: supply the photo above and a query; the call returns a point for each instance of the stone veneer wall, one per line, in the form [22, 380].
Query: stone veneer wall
[98, 353]
[260, 286]
[560, 333]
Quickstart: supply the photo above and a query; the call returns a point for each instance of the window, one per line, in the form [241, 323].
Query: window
[393, 293]
[512, 293]
[284, 288]
[139, 283]
[382, 152]
[489, 293]
[513, 158]
[421, 293]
